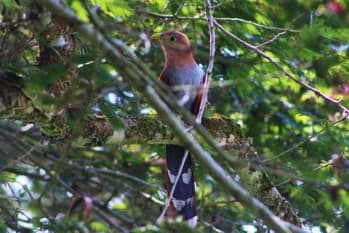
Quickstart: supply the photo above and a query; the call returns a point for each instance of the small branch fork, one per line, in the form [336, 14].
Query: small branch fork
[271, 40]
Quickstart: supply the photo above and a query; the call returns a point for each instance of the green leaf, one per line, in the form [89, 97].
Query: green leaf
[99, 227]
[109, 110]
[39, 79]
[80, 10]
[114, 8]
[10, 4]
[344, 200]
[7, 177]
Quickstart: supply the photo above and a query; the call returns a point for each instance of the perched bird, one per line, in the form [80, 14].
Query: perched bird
[184, 77]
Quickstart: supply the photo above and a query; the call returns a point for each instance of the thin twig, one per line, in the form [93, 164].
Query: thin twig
[257, 24]
[110, 220]
[16, 161]
[199, 17]
[167, 204]
[212, 227]
[208, 74]
[171, 16]
[307, 139]
[179, 7]
[271, 40]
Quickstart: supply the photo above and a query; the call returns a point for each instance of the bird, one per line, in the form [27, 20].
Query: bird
[184, 78]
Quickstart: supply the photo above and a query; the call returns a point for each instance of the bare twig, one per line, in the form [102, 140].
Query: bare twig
[271, 40]
[257, 24]
[200, 17]
[179, 8]
[14, 162]
[101, 213]
[171, 16]
[208, 74]
[167, 204]
[307, 139]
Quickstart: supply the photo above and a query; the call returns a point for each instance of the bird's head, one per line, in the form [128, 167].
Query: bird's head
[173, 40]
[177, 49]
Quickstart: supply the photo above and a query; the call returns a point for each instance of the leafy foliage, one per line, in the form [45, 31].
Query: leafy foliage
[50, 171]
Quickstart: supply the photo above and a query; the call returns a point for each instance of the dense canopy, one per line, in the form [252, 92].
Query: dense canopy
[84, 119]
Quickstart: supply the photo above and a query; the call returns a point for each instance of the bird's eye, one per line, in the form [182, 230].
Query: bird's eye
[172, 38]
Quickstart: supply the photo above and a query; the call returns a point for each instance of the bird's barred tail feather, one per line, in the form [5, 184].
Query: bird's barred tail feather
[183, 200]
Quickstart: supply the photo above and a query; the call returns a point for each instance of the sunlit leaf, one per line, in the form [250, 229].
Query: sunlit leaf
[80, 10]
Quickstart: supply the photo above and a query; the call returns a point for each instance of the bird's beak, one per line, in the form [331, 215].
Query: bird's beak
[156, 36]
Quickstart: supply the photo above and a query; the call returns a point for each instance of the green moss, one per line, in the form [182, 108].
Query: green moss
[146, 130]
[222, 127]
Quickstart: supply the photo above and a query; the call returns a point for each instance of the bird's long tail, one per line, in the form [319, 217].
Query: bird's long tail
[183, 200]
